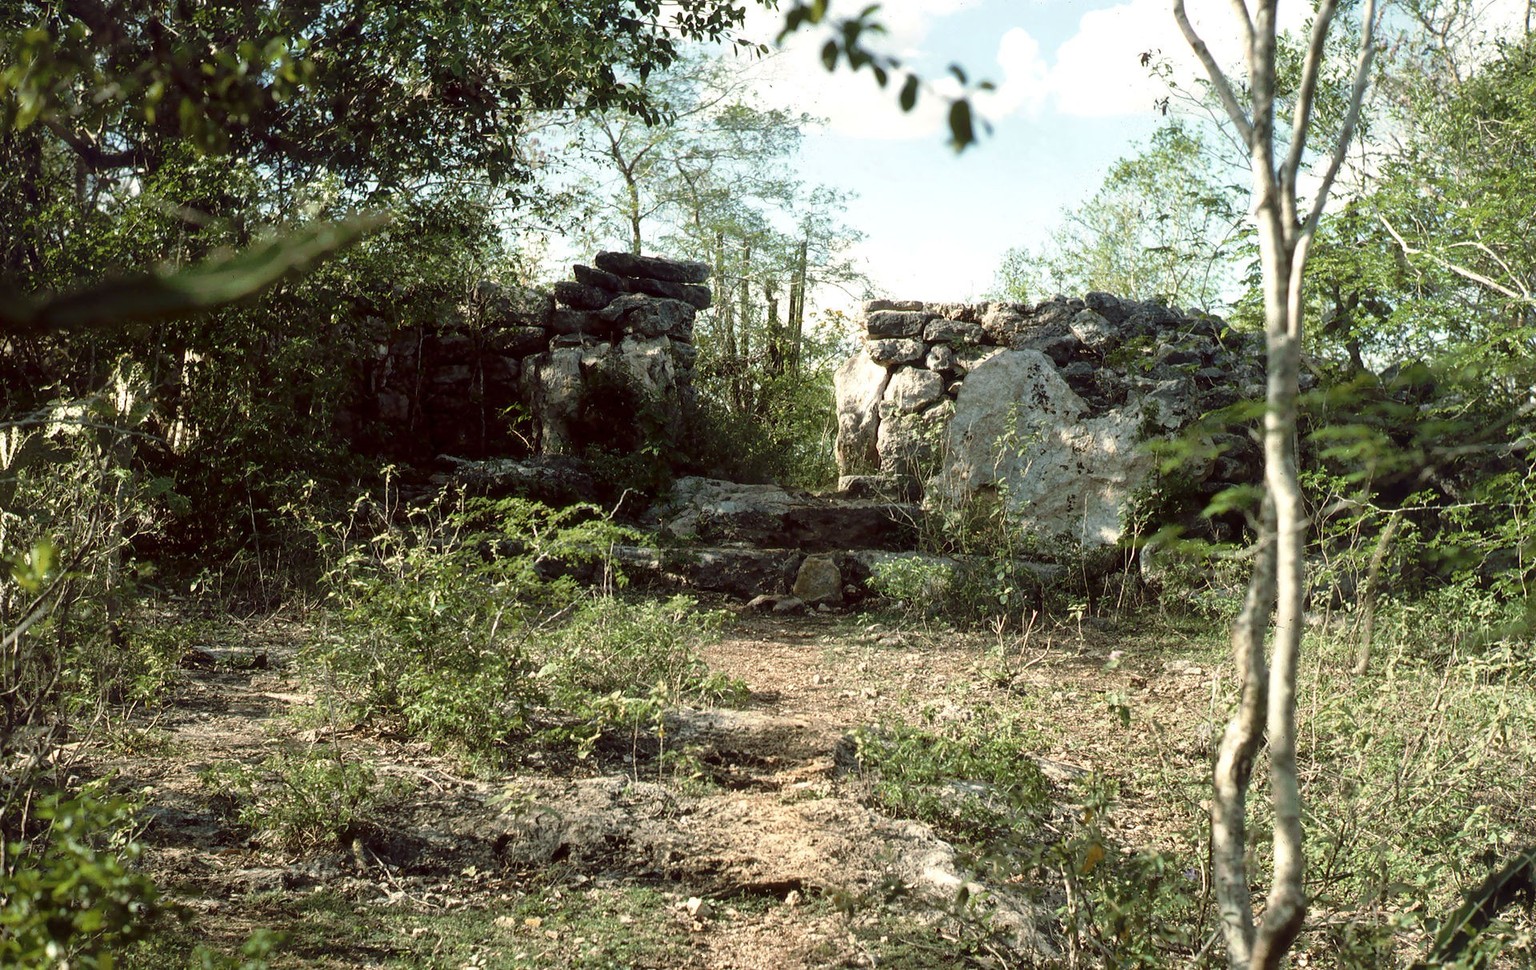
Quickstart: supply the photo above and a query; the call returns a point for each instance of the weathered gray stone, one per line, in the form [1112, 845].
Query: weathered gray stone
[910, 445]
[767, 516]
[1054, 340]
[819, 582]
[895, 323]
[959, 312]
[1108, 306]
[555, 381]
[912, 389]
[1020, 433]
[649, 363]
[1095, 332]
[945, 331]
[1001, 323]
[858, 386]
[650, 317]
[578, 296]
[588, 276]
[613, 285]
[695, 295]
[870, 486]
[940, 359]
[652, 268]
[968, 359]
[518, 341]
[890, 353]
[579, 321]
[512, 306]
[875, 306]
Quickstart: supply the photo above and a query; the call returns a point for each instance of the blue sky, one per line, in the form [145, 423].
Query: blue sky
[1072, 98]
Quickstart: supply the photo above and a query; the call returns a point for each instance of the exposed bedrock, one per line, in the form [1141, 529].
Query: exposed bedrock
[1043, 411]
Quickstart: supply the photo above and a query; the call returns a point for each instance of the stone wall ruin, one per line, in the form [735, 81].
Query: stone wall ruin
[1042, 410]
[574, 365]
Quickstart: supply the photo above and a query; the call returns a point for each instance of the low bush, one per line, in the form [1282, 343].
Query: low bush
[73, 898]
[465, 624]
[299, 801]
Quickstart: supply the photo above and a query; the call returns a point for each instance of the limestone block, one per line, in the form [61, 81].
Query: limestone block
[648, 362]
[859, 386]
[652, 268]
[940, 359]
[968, 359]
[650, 317]
[911, 389]
[911, 444]
[579, 296]
[895, 323]
[818, 582]
[893, 352]
[945, 331]
[1019, 432]
[1003, 322]
[1095, 332]
[518, 341]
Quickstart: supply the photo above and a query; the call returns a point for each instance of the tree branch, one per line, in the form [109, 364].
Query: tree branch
[1218, 77]
[1306, 96]
[1351, 118]
[1462, 271]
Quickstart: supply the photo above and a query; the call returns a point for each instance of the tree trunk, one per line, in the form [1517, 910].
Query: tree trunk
[1287, 904]
[797, 308]
[744, 402]
[1369, 594]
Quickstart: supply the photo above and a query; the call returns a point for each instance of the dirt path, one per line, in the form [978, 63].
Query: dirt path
[753, 849]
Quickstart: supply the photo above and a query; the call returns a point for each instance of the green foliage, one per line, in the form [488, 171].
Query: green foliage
[70, 896]
[613, 646]
[971, 779]
[464, 624]
[915, 583]
[434, 614]
[1132, 908]
[309, 801]
[1162, 225]
[184, 292]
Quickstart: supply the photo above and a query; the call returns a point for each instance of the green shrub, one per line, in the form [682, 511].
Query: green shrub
[434, 619]
[300, 802]
[916, 583]
[620, 666]
[70, 896]
[971, 780]
[465, 626]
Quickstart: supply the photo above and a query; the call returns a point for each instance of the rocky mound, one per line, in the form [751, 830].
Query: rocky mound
[1042, 411]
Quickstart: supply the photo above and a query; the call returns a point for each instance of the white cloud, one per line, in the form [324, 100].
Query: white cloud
[1096, 72]
[853, 104]
[1099, 72]
[1026, 77]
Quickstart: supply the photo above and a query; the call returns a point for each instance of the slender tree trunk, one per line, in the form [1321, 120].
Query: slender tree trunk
[797, 307]
[1371, 591]
[1287, 903]
[1240, 744]
[744, 402]
[633, 189]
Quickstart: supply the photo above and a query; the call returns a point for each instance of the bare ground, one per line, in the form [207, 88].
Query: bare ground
[765, 856]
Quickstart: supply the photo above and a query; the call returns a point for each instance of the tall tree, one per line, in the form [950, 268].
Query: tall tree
[1286, 222]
